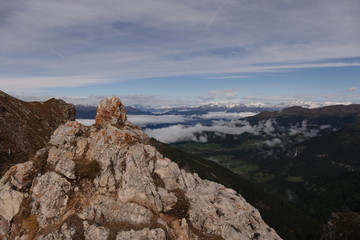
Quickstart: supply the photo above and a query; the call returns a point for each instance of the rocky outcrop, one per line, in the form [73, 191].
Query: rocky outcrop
[106, 182]
[110, 111]
[25, 127]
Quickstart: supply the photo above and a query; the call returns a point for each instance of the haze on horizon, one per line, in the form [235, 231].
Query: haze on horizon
[167, 52]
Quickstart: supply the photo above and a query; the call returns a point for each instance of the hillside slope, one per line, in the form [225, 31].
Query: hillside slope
[325, 173]
[25, 127]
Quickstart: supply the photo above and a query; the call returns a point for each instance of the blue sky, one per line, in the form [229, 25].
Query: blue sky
[160, 52]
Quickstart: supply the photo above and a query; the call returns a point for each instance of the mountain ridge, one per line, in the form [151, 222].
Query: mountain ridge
[111, 184]
[22, 121]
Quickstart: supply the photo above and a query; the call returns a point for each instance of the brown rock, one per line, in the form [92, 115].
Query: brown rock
[25, 127]
[342, 226]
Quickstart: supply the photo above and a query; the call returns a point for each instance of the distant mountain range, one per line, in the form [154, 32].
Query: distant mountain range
[88, 112]
[232, 107]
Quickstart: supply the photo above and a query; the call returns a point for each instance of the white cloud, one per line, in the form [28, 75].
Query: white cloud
[142, 120]
[322, 127]
[352, 89]
[226, 93]
[272, 142]
[226, 115]
[304, 130]
[180, 132]
[117, 40]
[24, 83]
[175, 133]
[268, 128]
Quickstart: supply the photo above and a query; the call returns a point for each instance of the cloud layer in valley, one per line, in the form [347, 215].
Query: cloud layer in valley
[142, 120]
[269, 128]
[226, 115]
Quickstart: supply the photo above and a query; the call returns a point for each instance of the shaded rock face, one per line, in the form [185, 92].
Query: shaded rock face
[343, 226]
[23, 121]
[106, 182]
[349, 113]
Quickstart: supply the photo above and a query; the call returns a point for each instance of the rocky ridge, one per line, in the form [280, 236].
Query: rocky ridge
[21, 121]
[106, 182]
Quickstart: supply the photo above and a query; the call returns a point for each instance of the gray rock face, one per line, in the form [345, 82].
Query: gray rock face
[50, 196]
[107, 182]
[10, 201]
[146, 233]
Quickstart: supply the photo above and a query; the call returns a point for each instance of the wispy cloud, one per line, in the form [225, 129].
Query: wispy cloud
[226, 93]
[117, 40]
[128, 100]
[352, 89]
[23, 83]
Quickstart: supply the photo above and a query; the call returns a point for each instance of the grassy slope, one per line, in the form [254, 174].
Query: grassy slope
[289, 222]
[329, 169]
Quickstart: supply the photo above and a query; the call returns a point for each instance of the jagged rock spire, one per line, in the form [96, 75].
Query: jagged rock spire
[110, 111]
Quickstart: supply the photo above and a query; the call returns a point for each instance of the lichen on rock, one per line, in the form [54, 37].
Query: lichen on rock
[110, 111]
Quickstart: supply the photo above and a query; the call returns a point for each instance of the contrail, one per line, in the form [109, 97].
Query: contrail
[213, 18]
[208, 25]
[57, 53]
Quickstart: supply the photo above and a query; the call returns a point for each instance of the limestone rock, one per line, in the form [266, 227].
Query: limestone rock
[156, 234]
[50, 195]
[93, 232]
[10, 201]
[221, 211]
[169, 173]
[66, 233]
[109, 209]
[62, 162]
[105, 181]
[19, 175]
[138, 235]
[146, 233]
